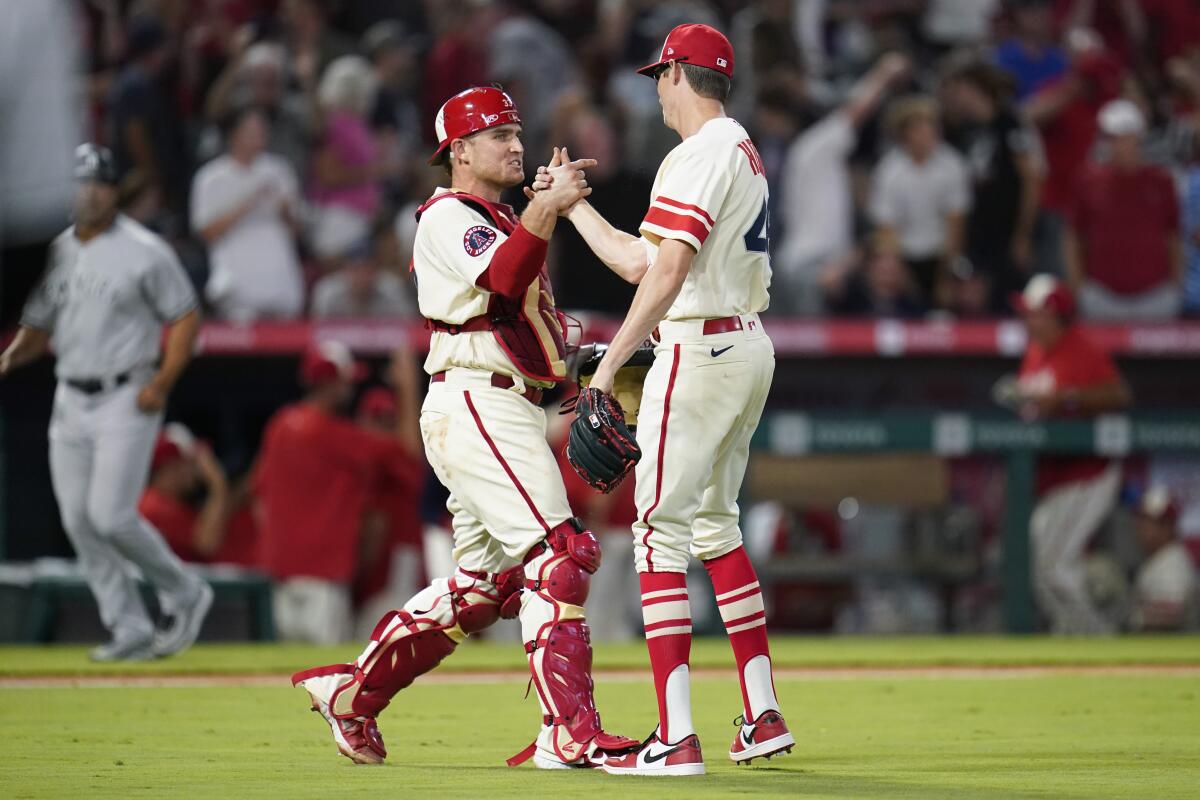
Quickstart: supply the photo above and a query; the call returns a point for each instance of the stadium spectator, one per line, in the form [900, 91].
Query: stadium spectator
[144, 127]
[1004, 158]
[456, 59]
[818, 203]
[1122, 247]
[1064, 375]
[311, 42]
[313, 480]
[1065, 112]
[395, 117]
[361, 289]
[189, 500]
[920, 196]
[344, 189]
[874, 284]
[1032, 55]
[256, 75]
[246, 207]
[1165, 596]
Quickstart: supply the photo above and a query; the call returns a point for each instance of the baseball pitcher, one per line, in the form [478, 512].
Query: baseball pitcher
[702, 268]
[497, 344]
[109, 289]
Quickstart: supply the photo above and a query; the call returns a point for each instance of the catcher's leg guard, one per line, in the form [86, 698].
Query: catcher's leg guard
[408, 643]
[557, 575]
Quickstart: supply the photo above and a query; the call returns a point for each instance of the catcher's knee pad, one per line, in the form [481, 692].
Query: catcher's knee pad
[562, 566]
[413, 640]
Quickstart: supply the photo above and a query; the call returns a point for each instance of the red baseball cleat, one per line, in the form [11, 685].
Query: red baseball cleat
[357, 738]
[766, 736]
[656, 757]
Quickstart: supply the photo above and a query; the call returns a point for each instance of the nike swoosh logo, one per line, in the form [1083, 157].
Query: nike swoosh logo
[748, 739]
[651, 758]
[715, 352]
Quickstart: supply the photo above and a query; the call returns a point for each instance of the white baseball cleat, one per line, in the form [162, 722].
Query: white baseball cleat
[184, 627]
[656, 757]
[766, 736]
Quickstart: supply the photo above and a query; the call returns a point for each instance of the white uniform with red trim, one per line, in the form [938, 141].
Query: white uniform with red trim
[487, 445]
[705, 393]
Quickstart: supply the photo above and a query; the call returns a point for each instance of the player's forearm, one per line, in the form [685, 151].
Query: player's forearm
[653, 299]
[181, 340]
[623, 253]
[1102, 399]
[28, 345]
[209, 532]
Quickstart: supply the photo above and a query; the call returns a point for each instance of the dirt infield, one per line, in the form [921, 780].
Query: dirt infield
[627, 676]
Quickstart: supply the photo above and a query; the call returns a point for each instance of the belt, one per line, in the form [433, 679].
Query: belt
[711, 327]
[532, 393]
[97, 385]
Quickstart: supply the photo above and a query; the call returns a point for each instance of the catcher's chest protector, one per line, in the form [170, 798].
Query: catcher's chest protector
[530, 330]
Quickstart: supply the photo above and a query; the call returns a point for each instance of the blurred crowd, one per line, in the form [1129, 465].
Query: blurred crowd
[925, 156]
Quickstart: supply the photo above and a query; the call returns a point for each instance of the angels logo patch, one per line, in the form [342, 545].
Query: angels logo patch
[478, 239]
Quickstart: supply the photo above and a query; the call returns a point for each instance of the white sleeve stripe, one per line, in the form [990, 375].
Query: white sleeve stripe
[684, 212]
[668, 233]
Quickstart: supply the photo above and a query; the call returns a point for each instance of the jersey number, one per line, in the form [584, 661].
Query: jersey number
[760, 231]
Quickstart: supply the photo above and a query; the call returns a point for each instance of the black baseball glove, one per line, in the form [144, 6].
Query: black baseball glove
[601, 448]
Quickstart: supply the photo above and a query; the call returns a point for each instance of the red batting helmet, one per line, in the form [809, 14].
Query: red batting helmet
[1045, 292]
[472, 111]
[696, 44]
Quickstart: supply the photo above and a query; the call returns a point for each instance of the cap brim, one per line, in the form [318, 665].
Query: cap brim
[648, 70]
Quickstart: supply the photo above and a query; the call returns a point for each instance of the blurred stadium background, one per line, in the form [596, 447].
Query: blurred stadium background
[926, 158]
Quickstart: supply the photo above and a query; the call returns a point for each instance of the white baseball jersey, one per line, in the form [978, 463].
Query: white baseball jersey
[454, 245]
[105, 301]
[711, 193]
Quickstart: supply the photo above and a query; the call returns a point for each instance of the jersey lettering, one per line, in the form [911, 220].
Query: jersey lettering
[756, 165]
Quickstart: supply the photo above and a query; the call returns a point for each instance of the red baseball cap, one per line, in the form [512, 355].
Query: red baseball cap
[1158, 504]
[1045, 293]
[471, 111]
[697, 44]
[330, 360]
[174, 442]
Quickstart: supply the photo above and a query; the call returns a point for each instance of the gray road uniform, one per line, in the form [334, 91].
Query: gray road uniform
[104, 303]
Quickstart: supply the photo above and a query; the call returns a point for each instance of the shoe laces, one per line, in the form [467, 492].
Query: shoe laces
[740, 721]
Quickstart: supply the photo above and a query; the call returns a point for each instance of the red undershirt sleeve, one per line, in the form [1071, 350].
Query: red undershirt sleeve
[515, 264]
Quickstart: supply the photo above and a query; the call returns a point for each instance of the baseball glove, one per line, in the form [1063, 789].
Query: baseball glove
[601, 448]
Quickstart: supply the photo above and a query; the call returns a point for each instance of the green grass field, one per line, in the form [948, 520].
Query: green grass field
[1072, 730]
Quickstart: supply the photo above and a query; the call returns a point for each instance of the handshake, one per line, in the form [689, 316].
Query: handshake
[562, 184]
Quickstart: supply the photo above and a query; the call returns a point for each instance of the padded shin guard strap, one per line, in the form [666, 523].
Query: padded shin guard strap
[410, 642]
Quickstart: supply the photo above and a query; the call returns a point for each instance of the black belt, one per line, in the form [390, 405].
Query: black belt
[97, 385]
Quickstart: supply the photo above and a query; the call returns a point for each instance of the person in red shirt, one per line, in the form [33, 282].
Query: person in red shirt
[218, 530]
[1064, 111]
[313, 480]
[391, 553]
[1063, 374]
[1123, 250]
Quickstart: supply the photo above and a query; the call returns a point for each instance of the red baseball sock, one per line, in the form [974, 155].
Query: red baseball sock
[740, 602]
[668, 624]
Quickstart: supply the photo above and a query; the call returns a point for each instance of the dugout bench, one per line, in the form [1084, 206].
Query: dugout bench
[41, 592]
[785, 436]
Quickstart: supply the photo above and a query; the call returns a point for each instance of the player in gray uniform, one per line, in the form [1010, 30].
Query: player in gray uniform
[110, 287]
